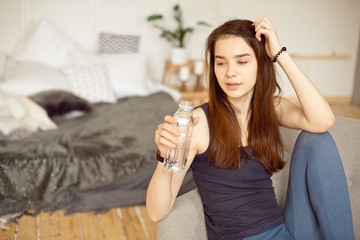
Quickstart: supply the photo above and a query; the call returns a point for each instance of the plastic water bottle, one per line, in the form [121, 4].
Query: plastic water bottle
[175, 158]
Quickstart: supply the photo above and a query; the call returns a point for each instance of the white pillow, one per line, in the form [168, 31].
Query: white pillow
[32, 116]
[28, 78]
[159, 87]
[90, 82]
[127, 74]
[49, 46]
[36, 117]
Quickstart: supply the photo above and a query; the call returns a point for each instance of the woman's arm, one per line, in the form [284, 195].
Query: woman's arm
[162, 191]
[314, 113]
[164, 186]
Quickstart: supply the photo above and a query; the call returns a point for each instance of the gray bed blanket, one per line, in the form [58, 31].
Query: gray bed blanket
[101, 160]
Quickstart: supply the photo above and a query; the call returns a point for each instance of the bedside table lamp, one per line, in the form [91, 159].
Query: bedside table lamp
[184, 75]
[198, 71]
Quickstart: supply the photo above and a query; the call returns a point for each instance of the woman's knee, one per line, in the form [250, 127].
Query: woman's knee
[316, 148]
[315, 141]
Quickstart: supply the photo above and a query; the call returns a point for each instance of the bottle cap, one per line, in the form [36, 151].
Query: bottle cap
[186, 104]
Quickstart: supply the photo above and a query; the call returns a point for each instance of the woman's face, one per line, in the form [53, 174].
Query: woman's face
[235, 67]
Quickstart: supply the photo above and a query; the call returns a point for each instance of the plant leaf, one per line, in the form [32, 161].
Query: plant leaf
[176, 36]
[154, 17]
[202, 23]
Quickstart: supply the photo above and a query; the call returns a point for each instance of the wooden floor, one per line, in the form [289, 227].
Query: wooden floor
[116, 224]
[129, 223]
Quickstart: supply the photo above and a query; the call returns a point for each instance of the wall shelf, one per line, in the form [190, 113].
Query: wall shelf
[337, 56]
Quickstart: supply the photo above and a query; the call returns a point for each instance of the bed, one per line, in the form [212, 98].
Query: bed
[78, 134]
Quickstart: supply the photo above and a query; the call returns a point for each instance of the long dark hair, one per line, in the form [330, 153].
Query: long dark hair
[264, 139]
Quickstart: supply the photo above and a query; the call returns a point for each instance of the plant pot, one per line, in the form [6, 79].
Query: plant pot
[179, 56]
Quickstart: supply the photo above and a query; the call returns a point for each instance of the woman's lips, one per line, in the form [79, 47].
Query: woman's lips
[232, 86]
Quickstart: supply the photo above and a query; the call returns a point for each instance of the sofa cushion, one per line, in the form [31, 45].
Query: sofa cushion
[346, 133]
[189, 214]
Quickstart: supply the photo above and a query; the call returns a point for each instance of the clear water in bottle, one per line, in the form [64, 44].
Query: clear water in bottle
[175, 158]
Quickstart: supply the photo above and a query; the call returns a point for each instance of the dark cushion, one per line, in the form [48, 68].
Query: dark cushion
[58, 102]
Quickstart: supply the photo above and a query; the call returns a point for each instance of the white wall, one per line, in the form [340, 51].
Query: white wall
[311, 27]
[305, 27]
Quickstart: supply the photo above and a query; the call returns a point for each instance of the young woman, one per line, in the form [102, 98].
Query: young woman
[236, 146]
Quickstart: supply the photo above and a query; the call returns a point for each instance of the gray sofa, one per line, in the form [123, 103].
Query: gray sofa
[186, 220]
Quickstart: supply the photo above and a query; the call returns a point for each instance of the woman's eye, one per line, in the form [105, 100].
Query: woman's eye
[242, 62]
[220, 63]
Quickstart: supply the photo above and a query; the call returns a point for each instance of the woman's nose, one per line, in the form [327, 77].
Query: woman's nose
[230, 71]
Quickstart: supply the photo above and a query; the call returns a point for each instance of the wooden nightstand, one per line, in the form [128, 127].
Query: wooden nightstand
[171, 69]
[197, 97]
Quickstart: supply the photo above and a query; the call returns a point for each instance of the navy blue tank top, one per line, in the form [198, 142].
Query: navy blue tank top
[237, 203]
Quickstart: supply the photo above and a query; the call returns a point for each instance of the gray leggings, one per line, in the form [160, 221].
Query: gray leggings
[317, 202]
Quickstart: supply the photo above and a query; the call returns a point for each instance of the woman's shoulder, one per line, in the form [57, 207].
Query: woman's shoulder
[199, 109]
[201, 112]
[203, 106]
[201, 131]
[280, 103]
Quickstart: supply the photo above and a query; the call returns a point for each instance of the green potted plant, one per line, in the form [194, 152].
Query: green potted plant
[176, 36]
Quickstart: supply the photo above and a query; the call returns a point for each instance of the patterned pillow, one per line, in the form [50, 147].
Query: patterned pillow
[90, 82]
[117, 43]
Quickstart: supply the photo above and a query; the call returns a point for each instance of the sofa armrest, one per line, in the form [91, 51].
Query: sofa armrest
[185, 221]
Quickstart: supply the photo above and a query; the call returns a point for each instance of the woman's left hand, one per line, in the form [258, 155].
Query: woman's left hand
[264, 27]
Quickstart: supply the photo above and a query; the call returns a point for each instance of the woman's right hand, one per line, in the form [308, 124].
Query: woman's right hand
[167, 135]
